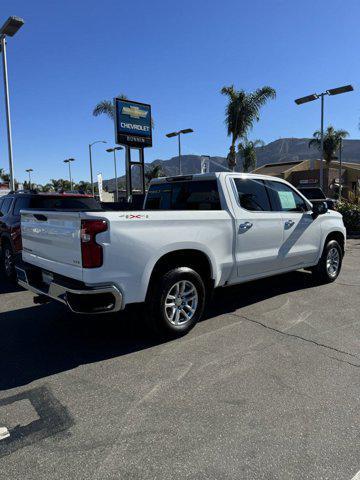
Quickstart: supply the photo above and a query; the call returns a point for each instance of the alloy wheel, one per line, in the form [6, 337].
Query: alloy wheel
[333, 262]
[181, 302]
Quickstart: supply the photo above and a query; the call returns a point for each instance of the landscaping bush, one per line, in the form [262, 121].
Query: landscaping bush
[351, 216]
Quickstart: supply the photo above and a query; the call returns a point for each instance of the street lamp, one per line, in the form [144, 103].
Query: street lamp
[29, 170]
[91, 168]
[113, 150]
[315, 96]
[68, 161]
[10, 27]
[177, 134]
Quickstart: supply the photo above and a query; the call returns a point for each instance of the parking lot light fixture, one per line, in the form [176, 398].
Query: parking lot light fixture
[11, 26]
[338, 90]
[29, 170]
[91, 167]
[311, 98]
[9, 29]
[113, 150]
[178, 134]
[68, 161]
[308, 98]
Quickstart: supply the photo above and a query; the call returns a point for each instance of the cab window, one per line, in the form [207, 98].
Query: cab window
[284, 199]
[183, 195]
[252, 194]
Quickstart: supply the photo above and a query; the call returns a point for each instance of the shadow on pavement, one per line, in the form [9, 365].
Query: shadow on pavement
[39, 341]
[230, 299]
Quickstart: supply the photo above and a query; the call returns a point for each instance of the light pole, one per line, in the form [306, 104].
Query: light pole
[68, 161]
[315, 96]
[113, 150]
[177, 134]
[340, 167]
[91, 168]
[29, 170]
[10, 27]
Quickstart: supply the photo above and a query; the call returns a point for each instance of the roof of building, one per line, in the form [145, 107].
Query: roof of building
[276, 168]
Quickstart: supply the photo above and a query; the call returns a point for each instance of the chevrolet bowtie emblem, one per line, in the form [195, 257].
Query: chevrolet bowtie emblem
[134, 112]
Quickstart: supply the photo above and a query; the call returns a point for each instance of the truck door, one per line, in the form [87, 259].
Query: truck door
[302, 233]
[258, 230]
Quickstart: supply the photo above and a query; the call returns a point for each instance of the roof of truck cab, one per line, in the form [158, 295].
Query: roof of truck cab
[212, 175]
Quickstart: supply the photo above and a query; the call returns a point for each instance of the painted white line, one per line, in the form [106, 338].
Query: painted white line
[4, 433]
[357, 476]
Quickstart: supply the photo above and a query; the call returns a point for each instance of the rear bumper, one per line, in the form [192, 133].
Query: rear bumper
[78, 297]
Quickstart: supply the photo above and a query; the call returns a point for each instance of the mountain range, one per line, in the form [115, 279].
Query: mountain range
[281, 150]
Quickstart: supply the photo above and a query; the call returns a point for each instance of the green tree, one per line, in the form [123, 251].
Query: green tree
[60, 184]
[242, 110]
[48, 187]
[84, 186]
[332, 141]
[154, 172]
[247, 150]
[5, 177]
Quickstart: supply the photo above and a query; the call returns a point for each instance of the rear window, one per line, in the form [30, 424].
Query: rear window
[312, 193]
[194, 195]
[56, 203]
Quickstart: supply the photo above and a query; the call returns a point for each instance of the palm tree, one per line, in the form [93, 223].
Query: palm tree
[154, 172]
[242, 110]
[48, 187]
[106, 107]
[332, 141]
[247, 149]
[84, 186]
[60, 184]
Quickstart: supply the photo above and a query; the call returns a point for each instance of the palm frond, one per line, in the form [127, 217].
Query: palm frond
[105, 107]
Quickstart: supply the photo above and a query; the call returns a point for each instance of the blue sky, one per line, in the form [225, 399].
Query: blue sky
[176, 56]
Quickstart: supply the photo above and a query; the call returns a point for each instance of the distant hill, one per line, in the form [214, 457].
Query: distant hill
[282, 150]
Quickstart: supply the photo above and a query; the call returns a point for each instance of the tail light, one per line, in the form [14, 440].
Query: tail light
[91, 252]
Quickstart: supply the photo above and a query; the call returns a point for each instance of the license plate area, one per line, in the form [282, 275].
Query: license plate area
[47, 277]
[21, 275]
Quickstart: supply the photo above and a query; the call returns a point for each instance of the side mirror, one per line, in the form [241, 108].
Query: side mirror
[319, 208]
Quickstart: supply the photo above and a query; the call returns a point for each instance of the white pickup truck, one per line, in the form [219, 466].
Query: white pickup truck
[194, 233]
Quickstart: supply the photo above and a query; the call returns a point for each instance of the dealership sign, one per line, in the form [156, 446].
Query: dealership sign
[132, 123]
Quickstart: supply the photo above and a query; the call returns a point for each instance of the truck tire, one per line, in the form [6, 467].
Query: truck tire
[8, 261]
[329, 266]
[176, 301]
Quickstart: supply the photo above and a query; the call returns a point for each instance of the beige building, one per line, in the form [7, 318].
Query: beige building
[305, 173]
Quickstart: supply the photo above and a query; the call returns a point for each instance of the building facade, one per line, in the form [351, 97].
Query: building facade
[306, 173]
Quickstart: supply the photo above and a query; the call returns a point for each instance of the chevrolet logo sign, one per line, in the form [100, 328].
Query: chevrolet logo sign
[134, 112]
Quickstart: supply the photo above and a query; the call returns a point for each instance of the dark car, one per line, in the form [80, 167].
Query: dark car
[316, 194]
[13, 203]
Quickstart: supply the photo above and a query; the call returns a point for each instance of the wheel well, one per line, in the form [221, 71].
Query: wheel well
[194, 259]
[339, 237]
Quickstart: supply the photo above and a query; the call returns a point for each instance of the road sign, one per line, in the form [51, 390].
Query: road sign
[132, 123]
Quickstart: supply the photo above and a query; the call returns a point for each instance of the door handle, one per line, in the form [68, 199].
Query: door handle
[245, 226]
[289, 223]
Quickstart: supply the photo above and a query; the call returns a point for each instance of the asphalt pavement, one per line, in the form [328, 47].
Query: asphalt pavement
[266, 387]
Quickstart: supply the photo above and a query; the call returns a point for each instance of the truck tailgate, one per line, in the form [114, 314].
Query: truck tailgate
[51, 240]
